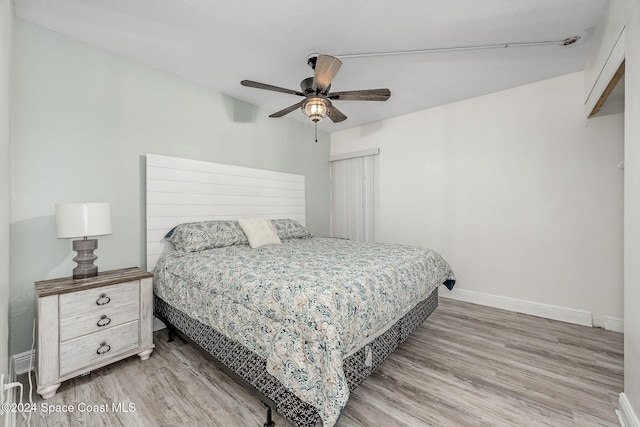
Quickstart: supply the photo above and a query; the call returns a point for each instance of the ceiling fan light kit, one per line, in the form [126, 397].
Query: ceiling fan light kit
[315, 108]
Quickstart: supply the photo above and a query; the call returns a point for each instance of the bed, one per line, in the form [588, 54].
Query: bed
[300, 319]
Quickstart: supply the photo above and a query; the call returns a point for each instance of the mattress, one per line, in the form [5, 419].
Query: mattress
[303, 306]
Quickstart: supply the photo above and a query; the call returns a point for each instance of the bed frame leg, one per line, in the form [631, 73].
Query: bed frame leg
[171, 332]
[269, 422]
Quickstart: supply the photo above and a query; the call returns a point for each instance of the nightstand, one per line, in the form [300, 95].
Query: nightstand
[85, 324]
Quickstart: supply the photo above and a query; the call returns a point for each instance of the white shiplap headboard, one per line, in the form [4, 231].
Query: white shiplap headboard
[184, 190]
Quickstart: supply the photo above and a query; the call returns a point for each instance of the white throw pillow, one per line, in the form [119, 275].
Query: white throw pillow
[259, 231]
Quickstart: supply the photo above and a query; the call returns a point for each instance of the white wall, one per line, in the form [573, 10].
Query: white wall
[516, 189]
[632, 212]
[6, 17]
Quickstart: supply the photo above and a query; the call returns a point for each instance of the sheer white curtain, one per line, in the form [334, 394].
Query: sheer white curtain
[353, 205]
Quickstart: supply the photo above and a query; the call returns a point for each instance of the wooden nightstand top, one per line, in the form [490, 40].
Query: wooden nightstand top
[68, 284]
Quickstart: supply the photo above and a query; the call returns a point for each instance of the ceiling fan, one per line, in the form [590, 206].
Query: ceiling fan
[316, 91]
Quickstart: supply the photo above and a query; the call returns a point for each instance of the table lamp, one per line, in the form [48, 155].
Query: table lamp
[74, 220]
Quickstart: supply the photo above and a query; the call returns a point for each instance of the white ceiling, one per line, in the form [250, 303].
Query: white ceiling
[219, 43]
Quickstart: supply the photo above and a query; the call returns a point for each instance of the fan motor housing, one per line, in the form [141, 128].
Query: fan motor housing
[306, 86]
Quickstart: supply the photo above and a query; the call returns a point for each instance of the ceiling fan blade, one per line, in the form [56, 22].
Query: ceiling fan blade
[251, 83]
[286, 110]
[335, 115]
[325, 70]
[361, 95]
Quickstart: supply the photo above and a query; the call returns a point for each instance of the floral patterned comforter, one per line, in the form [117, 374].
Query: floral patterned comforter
[302, 305]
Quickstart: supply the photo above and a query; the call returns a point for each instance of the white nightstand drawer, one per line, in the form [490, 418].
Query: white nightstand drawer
[100, 319]
[90, 300]
[91, 349]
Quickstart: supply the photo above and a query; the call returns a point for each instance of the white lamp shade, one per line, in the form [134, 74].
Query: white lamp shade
[83, 219]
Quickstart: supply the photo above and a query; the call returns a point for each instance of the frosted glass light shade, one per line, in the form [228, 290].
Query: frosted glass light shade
[83, 219]
[315, 108]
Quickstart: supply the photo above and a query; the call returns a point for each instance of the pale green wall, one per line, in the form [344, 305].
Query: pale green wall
[83, 120]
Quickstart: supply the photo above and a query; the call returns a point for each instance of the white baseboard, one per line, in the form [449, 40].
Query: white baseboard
[18, 364]
[626, 416]
[564, 314]
[614, 324]
[157, 324]
[22, 361]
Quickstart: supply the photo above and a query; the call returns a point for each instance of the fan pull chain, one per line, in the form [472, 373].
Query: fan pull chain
[316, 126]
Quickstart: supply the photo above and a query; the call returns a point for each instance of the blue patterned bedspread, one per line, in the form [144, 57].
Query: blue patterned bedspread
[302, 305]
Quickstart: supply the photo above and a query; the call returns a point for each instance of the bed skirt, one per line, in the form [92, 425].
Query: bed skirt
[250, 369]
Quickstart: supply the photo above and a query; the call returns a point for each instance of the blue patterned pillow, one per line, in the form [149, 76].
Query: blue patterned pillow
[198, 236]
[289, 229]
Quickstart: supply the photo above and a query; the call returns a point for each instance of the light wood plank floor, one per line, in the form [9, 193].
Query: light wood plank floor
[467, 365]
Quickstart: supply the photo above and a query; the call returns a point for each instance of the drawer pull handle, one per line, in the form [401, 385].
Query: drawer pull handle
[103, 300]
[104, 320]
[104, 348]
